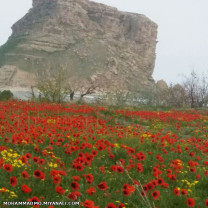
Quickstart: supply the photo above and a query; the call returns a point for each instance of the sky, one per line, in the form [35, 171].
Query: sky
[182, 32]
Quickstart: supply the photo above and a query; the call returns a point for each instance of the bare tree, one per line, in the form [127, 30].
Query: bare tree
[153, 96]
[90, 90]
[196, 88]
[202, 98]
[118, 97]
[53, 84]
[190, 86]
[176, 96]
[81, 88]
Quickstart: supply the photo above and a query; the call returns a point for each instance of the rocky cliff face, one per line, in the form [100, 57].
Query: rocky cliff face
[93, 41]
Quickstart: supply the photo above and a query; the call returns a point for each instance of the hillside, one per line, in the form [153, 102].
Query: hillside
[96, 43]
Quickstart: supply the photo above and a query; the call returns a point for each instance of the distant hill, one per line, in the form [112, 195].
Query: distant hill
[95, 42]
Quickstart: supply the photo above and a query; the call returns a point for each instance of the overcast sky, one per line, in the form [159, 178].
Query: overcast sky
[182, 31]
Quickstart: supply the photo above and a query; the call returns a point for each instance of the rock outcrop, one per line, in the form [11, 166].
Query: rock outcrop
[95, 42]
[162, 84]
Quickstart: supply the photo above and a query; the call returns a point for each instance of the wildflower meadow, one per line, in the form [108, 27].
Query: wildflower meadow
[102, 157]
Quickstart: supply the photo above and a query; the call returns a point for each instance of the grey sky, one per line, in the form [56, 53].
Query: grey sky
[182, 31]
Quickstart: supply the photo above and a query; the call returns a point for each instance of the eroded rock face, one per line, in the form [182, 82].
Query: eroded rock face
[162, 84]
[22, 79]
[93, 41]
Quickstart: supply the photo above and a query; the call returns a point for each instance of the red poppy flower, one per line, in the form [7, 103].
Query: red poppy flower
[36, 149]
[34, 199]
[120, 169]
[102, 186]
[79, 167]
[6, 139]
[193, 170]
[77, 193]
[39, 174]
[76, 178]
[91, 190]
[35, 159]
[136, 182]
[183, 192]
[102, 169]
[165, 185]
[206, 202]
[111, 205]
[57, 179]
[24, 159]
[41, 162]
[28, 155]
[88, 204]
[198, 176]
[160, 181]
[111, 156]
[114, 168]
[89, 178]
[139, 167]
[173, 177]
[126, 192]
[176, 191]
[1, 162]
[192, 154]
[150, 186]
[127, 189]
[59, 190]
[140, 156]
[94, 152]
[8, 167]
[25, 174]
[143, 193]
[75, 185]
[190, 202]
[155, 194]
[26, 189]
[13, 181]
[121, 205]
[72, 196]
[154, 182]
[53, 173]
[61, 172]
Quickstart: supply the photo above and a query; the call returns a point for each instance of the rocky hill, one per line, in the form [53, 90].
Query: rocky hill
[96, 43]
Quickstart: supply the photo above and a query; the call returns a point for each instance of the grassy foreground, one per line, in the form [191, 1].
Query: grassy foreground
[100, 157]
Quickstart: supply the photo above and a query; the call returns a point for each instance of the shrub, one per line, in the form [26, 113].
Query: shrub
[6, 95]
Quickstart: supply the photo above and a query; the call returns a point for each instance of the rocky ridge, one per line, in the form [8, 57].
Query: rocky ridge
[95, 42]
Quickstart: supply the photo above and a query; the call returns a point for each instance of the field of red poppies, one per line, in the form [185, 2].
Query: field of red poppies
[102, 157]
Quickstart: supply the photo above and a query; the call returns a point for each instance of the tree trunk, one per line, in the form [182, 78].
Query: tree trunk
[72, 96]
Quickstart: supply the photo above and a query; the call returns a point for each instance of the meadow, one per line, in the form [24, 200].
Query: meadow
[102, 157]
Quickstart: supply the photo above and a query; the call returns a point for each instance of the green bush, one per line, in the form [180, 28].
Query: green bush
[6, 95]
